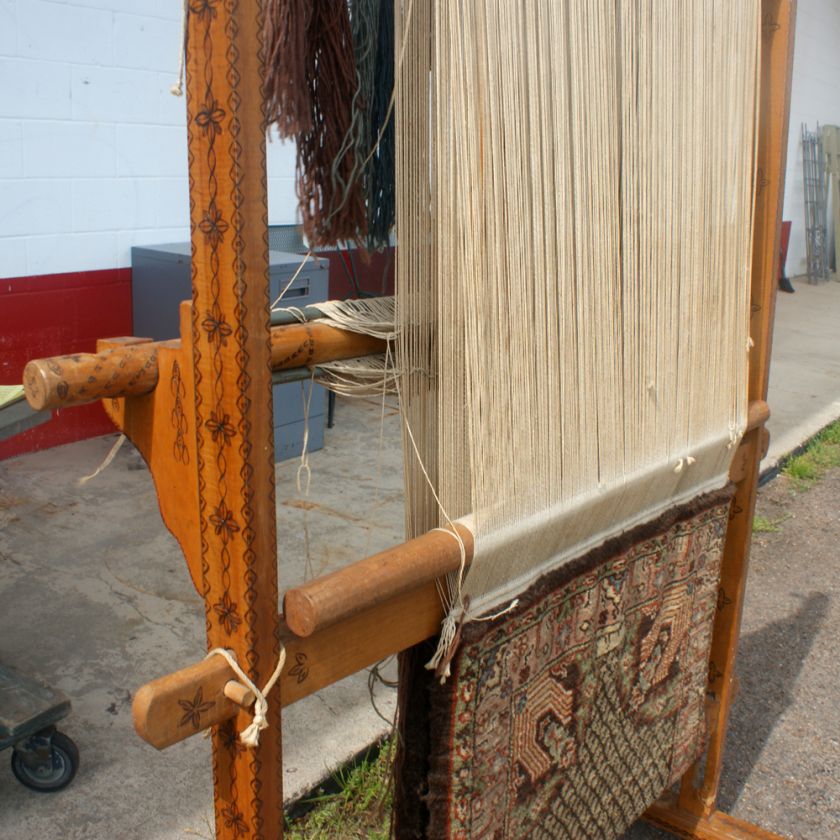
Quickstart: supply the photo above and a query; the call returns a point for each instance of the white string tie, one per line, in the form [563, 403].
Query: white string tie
[105, 464]
[250, 736]
[178, 88]
[447, 639]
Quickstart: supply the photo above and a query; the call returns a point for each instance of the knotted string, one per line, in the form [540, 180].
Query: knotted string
[250, 736]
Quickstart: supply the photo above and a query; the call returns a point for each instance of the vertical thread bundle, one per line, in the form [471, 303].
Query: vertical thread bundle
[327, 76]
[574, 218]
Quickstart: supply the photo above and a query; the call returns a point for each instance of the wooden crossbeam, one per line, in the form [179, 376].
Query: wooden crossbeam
[128, 367]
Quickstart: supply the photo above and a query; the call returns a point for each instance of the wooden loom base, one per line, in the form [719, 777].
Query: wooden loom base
[667, 815]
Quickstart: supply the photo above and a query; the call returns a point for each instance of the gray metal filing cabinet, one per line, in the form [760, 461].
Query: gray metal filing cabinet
[160, 280]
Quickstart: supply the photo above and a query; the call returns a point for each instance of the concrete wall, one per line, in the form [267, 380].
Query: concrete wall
[815, 98]
[93, 155]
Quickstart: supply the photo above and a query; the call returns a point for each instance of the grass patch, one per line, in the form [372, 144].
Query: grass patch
[821, 454]
[765, 525]
[360, 808]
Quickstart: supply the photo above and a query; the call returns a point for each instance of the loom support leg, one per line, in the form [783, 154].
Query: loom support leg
[668, 815]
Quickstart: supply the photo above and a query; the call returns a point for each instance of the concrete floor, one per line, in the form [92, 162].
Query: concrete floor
[97, 601]
[804, 393]
[96, 598]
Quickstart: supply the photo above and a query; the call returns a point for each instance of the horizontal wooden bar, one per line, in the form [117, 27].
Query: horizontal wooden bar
[130, 368]
[179, 705]
[338, 596]
[304, 345]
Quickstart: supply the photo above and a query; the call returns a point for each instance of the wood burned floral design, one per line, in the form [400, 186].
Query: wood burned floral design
[227, 613]
[216, 326]
[223, 523]
[204, 8]
[220, 428]
[210, 117]
[234, 820]
[301, 667]
[213, 226]
[194, 709]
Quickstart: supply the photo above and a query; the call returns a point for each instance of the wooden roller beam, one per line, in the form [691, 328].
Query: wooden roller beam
[304, 345]
[131, 369]
[336, 597]
[758, 413]
[128, 370]
[344, 593]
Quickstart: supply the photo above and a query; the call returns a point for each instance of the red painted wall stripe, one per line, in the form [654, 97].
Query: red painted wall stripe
[51, 315]
[54, 314]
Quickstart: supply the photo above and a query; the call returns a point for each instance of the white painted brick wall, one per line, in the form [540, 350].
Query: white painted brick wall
[93, 150]
[815, 97]
[92, 142]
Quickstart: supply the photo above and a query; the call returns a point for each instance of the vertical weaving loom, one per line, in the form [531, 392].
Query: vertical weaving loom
[574, 218]
[586, 271]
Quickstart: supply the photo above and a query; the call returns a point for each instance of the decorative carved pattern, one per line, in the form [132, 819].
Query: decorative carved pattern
[235, 821]
[227, 613]
[769, 24]
[194, 709]
[232, 386]
[300, 670]
[179, 417]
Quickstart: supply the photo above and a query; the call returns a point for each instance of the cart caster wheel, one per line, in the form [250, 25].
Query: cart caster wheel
[54, 771]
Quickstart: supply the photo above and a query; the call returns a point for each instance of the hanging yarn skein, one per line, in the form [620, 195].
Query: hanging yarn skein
[329, 81]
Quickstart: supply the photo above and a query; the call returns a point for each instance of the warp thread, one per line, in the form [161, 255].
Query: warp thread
[105, 463]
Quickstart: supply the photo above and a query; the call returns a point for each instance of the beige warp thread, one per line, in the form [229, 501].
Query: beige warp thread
[250, 736]
[574, 217]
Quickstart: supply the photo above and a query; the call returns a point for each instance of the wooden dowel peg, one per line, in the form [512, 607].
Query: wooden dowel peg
[239, 694]
[758, 413]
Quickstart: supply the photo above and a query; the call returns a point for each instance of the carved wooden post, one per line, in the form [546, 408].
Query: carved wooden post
[232, 384]
[777, 34]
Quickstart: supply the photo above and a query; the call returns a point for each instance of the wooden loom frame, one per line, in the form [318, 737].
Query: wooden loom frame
[199, 411]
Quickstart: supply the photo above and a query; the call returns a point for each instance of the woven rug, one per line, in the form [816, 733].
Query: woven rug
[568, 717]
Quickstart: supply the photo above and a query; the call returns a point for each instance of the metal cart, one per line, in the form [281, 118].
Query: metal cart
[43, 758]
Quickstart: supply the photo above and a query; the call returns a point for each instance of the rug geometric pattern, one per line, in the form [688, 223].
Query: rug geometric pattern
[568, 717]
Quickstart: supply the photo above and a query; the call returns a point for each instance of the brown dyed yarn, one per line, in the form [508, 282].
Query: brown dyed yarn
[310, 85]
[331, 199]
[287, 97]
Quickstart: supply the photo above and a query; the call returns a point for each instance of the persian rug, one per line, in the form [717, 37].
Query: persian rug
[568, 717]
